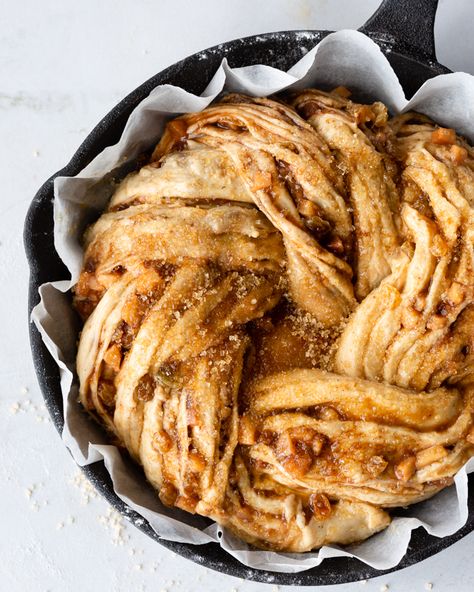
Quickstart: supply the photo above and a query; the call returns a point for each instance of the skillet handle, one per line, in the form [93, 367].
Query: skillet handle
[407, 26]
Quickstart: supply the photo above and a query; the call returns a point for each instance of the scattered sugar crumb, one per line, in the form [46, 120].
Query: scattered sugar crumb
[34, 506]
[36, 153]
[428, 586]
[59, 525]
[275, 588]
[363, 582]
[113, 521]
[14, 408]
[71, 520]
[139, 566]
[29, 491]
[384, 588]
[85, 487]
[24, 390]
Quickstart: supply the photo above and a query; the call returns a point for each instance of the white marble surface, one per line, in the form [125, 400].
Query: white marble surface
[63, 65]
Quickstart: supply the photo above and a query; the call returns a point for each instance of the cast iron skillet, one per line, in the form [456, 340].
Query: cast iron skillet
[404, 31]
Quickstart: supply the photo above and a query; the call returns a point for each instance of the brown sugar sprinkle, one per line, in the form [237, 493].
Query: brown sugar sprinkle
[320, 341]
[443, 136]
[145, 388]
[164, 269]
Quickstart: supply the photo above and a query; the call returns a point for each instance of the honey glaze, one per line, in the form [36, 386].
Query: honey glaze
[289, 338]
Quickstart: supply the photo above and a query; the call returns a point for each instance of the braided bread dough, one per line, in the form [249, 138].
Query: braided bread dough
[279, 316]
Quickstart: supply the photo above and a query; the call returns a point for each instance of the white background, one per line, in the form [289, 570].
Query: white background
[63, 65]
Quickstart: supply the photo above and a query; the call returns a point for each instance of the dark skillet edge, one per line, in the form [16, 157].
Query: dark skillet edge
[39, 245]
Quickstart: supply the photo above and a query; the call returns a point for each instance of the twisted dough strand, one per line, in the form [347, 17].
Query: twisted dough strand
[279, 316]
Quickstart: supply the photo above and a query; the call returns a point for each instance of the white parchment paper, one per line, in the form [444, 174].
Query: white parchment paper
[344, 58]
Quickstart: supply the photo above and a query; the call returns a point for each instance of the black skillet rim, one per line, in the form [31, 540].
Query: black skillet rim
[38, 244]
